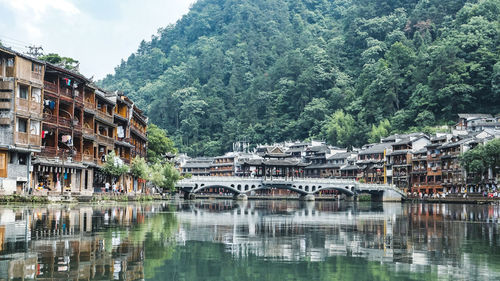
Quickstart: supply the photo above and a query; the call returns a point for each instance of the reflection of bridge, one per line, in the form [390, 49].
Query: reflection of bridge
[306, 187]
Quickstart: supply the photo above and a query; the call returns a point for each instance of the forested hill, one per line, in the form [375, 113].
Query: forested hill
[343, 70]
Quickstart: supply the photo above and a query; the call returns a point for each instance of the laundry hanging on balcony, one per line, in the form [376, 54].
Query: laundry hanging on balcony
[67, 81]
[66, 139]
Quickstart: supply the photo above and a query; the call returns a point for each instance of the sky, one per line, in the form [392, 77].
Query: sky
[98, 33]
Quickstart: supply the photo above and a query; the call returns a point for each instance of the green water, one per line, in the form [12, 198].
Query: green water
[255, 240]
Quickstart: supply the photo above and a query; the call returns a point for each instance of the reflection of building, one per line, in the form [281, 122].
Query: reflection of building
[69, 243]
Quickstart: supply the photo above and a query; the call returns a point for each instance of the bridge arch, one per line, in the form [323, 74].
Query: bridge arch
[342, 189]
[228, 187]
[291, 188]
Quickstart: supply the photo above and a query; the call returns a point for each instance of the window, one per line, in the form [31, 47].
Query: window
[12, 156]
[10, 62]
[22, 125]
[35, 67]
[35, 127]
[36, 95]
[23, 92]
[22, 158]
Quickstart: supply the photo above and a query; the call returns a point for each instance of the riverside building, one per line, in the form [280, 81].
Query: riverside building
[56, 128]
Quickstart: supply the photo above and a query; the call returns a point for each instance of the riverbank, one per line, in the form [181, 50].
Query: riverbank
[97, 197]
[456, 200]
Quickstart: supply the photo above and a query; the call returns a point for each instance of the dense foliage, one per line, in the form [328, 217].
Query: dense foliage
[481, 159]
[274, 70]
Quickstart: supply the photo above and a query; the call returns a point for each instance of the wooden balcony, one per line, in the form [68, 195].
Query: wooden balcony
[51, 87]
[63, 121]
[49, 118]
[35, 108]
[36, 75]
[88, 131]
[22, 105]
[49, 151]
[77, 157]
[66, 92]
[105, 140]
[5, 105]
[89, 105]
[35, 139]
[7, 85]
[22, 138]
[105, 116]
[138, 132]
[88, 158]
[125, 160]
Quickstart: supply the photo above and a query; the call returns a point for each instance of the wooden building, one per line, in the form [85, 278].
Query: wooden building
[21, 93]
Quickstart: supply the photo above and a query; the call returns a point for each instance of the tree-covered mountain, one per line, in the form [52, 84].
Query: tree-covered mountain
[342, 70]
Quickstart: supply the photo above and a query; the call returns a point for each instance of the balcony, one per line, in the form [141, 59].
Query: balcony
[88, 131]
[35, 108]
[66, 92]
[49, 151]
[7, 85]
[35, 139]
[138, 132]
[66, 122]
[5, 105]
[105, 140]
[22, 105]
[49, 118]
[51, 87]
[88, 158]
[105, 116]
[36, 75]
[22, 138]
[89, 105]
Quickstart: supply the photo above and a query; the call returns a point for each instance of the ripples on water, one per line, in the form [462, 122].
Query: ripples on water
[255, 240]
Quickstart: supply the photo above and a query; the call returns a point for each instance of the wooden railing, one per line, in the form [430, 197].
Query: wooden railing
[35, 139]
[22, 105]
[66, 92]
[88, 158]
[49, 151]
[52, 87]
[63, 121]
[47, 117]
[22, 138]
[35, 107]
[89, 105]
[88, 131]
[5, 105]
[105, 140]
[105, 116]
[36, 75]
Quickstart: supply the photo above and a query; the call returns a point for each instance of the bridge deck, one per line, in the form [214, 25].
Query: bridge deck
[301, 185]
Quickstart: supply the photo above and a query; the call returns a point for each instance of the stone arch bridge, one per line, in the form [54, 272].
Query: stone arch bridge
[306, 187]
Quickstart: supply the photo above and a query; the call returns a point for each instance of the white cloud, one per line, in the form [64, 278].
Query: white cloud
[97, 34]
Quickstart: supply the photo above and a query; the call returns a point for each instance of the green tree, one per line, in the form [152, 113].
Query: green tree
[342, 130]
[164, 176]
[158, 144]
[65, 62]
[139, 168]
[380, 131]
[114, 166]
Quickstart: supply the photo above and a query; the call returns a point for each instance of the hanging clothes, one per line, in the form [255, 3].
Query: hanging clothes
[52, 104]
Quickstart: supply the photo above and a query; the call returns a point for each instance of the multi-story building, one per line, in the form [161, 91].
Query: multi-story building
[21, 93]
[59, 163]
[224, 166]
[197, 166]
[371, 163]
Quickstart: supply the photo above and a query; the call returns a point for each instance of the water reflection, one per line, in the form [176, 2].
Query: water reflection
[254, 240]
[77, 242]
[445, 240]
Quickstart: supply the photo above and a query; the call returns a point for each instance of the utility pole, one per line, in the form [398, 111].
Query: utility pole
[34, 51]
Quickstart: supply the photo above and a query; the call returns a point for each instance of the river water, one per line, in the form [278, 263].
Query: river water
[254, 240]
